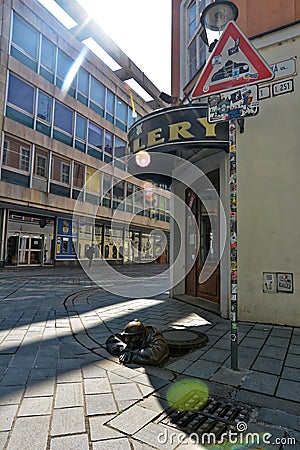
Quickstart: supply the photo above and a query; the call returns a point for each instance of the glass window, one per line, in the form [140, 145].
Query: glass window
[40, 165]
[97, 92]
[63, 117]
[65, 173]
[121, 110]
[48, 54]
[95, 135]
[110, 106]
[83, 81]
[20, 94]
[118, 192]
[93, 180]
[192, 58]
[108, 142]
[44, 107]
[120, 148]
[25, 37]
[63, 65]
[107, 180]
[78, 175]
[81, 127]
[5, 153]
[24, 159]
[191, 20]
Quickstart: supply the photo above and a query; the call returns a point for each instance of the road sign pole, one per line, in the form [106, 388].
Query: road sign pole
[233, 245]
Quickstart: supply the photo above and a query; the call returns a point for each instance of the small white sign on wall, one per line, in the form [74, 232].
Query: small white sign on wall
[285, 282]
[269, 282]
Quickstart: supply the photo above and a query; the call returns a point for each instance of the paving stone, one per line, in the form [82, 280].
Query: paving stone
[96, 386]
[180, 365]
[35, 406]
[293, 361]
[291, 373]
[280, 418]
[68, 421]
[8, 413]
[267, 436]
[100, 404]
[133, 419]
[202, 369]
[70, 376]
[295, 349]
[3, 439]
[100, 431]
[68, 394]
[112, 444]
[268, 365]
[278, 342]
[73, 442]
[216, 355]
[126, 392]
[30, 433]
[229, 376]
[260, 382]
[9, 396]
[273, 352]
[158, 436]
[252, 342]
[289, 389]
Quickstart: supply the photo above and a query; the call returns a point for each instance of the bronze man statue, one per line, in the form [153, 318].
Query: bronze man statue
[138, 344]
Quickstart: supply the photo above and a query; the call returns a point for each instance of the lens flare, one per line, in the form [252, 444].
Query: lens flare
[148, 188]
[143, 158]
[187, 394]
[73, 70]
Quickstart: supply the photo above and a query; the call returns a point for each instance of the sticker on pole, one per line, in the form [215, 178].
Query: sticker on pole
[233, 63]
[233, 104]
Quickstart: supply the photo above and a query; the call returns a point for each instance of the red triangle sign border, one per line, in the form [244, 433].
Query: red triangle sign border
[203, 87]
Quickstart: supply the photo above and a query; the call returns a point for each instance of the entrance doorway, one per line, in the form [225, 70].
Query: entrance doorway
[207, 218]
[29, 240]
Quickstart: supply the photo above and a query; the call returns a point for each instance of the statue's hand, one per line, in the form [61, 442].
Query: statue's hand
[126, 357]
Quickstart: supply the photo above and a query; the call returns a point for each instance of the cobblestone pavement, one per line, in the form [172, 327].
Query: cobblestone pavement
[61, 390]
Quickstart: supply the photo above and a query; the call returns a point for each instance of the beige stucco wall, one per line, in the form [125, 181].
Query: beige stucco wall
[268, 162]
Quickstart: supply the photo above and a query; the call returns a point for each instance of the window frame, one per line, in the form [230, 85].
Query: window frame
[22, 159]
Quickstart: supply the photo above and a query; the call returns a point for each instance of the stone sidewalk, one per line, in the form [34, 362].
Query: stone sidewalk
[61, 390]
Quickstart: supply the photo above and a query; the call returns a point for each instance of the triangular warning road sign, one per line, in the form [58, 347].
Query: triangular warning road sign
[233, 63]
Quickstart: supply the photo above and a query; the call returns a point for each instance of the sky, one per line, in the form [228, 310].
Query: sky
[141, 28]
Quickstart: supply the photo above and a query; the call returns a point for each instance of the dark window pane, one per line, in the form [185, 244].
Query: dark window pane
[25, 36]
[110, 102]
[97, 91]
[48, 54]
[121, 110]
[20, 94]
[108, 142]
[63, 117]
[120, 148]
[83, 81]
[95, 135]
[80, 127]
[44, 107]
[64, 64]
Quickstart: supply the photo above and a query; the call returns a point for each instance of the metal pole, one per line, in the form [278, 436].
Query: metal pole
[233, 246]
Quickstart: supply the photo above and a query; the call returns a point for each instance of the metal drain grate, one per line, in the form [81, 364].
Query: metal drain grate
[215, 416]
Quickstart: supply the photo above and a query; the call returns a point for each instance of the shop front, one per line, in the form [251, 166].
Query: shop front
[185, 134]
[30, 240]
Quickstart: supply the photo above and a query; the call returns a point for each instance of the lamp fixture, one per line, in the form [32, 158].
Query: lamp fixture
[214, 19]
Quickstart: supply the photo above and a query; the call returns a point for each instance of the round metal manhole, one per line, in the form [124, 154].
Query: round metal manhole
[183, 341]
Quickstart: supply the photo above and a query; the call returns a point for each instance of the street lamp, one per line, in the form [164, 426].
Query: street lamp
[214, 19]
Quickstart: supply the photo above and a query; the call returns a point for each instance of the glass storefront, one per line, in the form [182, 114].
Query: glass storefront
[30, 240]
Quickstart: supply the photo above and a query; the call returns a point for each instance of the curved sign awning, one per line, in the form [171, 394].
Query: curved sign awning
[169, 129]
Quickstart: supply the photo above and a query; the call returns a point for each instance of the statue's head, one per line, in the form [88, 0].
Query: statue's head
[134, 333]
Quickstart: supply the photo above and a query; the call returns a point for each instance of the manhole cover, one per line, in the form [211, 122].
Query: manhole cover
[215, 416]
[182, 341]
